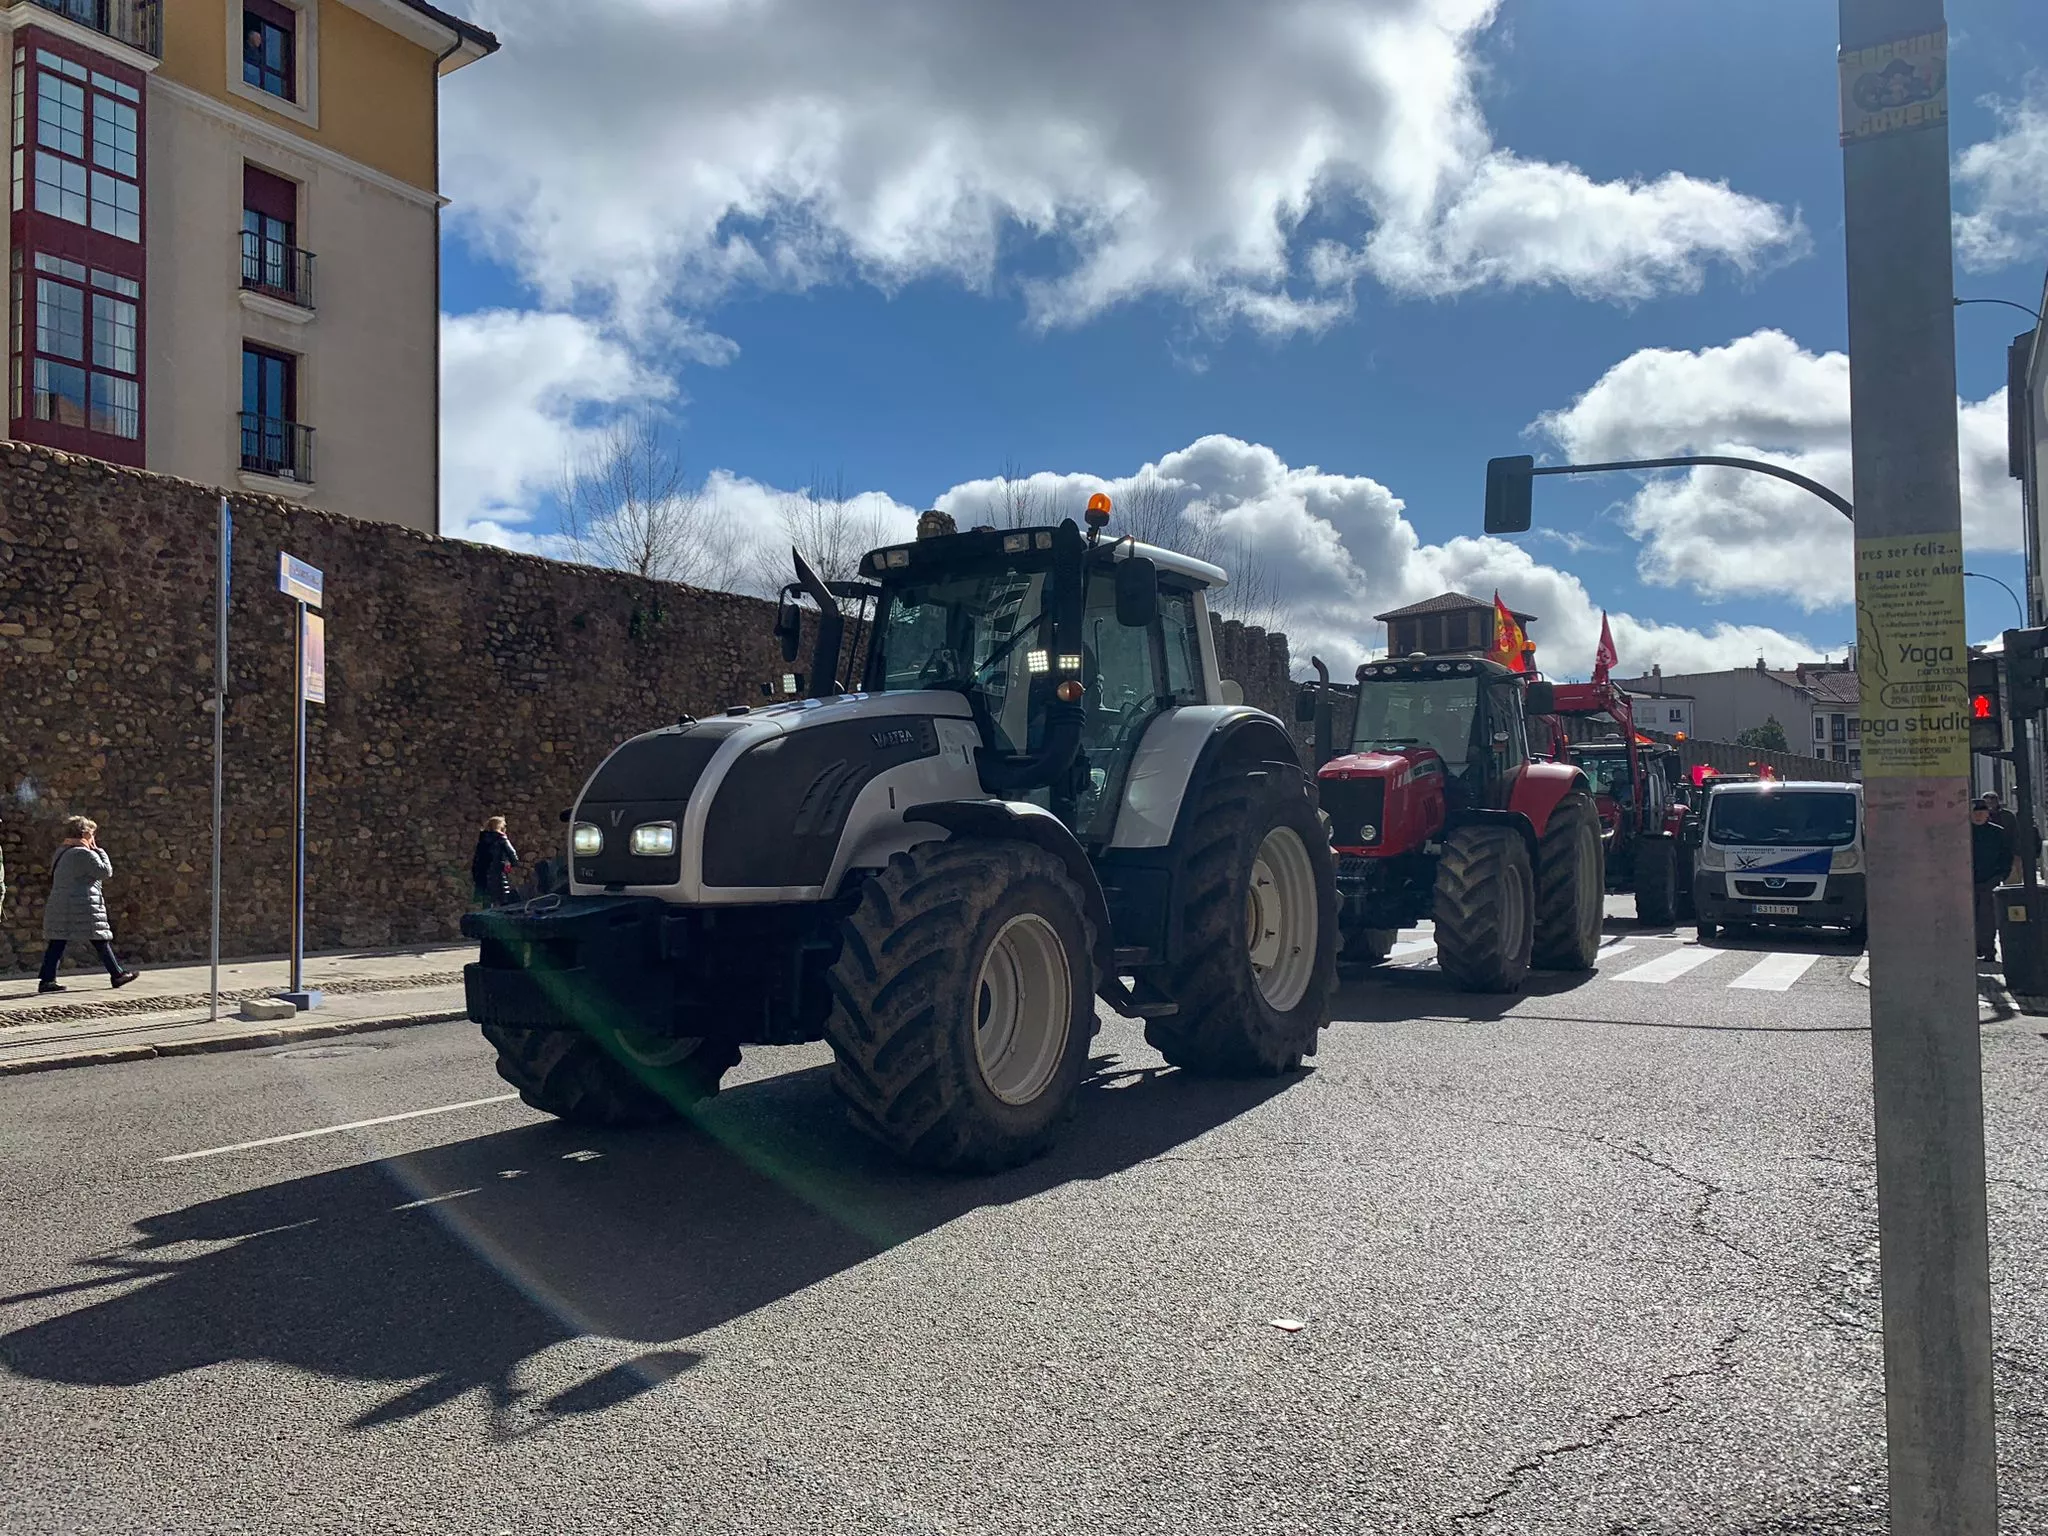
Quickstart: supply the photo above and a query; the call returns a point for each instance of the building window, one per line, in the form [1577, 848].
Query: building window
[269, 48]
[273, 442]
[271, 260]
[109, 398]
[1855, 727]
[1677, 717]
[1855, 757]
[88, 162]
[1820, 727]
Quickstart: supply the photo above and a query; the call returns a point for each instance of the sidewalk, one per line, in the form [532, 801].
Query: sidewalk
[165, 1012]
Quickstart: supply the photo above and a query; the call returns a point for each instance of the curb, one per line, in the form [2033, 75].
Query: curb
[206, 1045]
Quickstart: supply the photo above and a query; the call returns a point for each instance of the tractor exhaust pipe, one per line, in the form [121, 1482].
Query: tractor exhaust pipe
[824, 680]
[1326, 745]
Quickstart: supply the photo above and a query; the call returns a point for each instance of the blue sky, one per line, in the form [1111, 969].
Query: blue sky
[916, 356]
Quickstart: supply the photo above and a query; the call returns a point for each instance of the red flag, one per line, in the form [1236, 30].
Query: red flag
[1509, 641]
[1605, 656]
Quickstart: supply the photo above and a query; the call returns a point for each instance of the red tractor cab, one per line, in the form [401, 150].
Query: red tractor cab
[1632, 779]
[1438, 809]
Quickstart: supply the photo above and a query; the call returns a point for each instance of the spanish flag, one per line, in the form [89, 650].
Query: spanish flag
[1510, 645]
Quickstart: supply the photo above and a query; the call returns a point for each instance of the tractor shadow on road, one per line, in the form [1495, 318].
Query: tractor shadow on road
[447, 1268]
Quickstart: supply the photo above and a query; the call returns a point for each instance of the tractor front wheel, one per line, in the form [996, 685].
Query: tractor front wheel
[1571, 887]
[963, 1003]
[1485, 908]
[1260, 950]
[1656, 863]
[609, 1077]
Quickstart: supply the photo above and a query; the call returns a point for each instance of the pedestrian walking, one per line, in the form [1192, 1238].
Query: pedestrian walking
[78, 906]
[490, 867]
[2009, 824]
[1990, 859]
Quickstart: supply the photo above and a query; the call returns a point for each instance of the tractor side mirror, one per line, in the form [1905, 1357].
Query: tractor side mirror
[1541, 699]
[1510, 494]
[1137, 592]
[789, 627]
[1305, 706]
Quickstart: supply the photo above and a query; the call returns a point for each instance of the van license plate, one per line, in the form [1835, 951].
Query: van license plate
[1768, 909]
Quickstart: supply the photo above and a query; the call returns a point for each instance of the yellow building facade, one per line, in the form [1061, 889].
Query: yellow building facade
[224, 240]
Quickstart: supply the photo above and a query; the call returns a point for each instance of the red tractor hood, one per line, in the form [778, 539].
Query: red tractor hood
[1367, 765]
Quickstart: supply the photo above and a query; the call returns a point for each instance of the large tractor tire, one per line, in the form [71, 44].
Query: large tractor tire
[963, 1001]
[1485, 908]
[1656, 864]
[1259, 892]
[1571, 887]
[609, 1077]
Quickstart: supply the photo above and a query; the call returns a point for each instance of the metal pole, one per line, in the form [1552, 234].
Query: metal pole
[220, 707]
[298, 987]
[1911, 656]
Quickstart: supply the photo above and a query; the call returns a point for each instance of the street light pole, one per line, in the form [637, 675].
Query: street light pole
[1911, 661]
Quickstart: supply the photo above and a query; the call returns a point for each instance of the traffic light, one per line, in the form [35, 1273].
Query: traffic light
[1987, 717]
[2026, 672]
[1510, 494]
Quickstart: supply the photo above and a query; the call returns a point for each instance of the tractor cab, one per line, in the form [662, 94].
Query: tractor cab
[1064, 649]
[1462, 721]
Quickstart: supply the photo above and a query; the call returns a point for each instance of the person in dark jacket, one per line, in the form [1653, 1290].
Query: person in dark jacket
[490, 867]
[78, 907]
[1990, 862]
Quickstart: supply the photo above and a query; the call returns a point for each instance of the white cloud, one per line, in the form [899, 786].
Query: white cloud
[1151, 147]
[1724, 532]
[520, 393]
[2003, 185]
[1340, 548]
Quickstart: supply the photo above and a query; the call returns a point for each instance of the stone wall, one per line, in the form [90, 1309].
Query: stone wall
[463, 681]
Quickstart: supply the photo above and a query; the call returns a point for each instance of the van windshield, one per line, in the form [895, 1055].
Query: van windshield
[1783, 818]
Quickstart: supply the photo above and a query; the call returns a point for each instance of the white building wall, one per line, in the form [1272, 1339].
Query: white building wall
[366, 373]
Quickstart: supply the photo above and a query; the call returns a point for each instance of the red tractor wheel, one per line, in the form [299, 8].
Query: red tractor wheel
[1571, 887]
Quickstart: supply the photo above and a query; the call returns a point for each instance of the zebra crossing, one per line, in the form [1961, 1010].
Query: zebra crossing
[1657, 962]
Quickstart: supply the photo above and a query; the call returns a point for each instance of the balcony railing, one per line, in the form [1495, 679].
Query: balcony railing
[138, 23]
[281, 271]
[280, 449]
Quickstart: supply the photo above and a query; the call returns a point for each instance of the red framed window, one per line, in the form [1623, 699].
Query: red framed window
[75, 290]
[270, 34]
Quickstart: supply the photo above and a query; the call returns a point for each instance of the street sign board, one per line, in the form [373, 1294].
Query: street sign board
[315, 652]
[299, 580]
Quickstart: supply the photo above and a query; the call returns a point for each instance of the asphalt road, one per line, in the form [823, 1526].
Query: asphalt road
[1598, 1259]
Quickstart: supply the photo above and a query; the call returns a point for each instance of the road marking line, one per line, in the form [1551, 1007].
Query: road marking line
[1665, 967]
[1607, 953]
[1775, 973]
[1411, 947]
[335, 1130]
[1859, 973]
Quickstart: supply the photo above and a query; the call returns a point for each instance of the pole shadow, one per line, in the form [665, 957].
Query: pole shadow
[441, 1271]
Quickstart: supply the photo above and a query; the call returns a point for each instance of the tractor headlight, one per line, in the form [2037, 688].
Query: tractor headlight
[1369, 833]
[655, 839]
[587, 840]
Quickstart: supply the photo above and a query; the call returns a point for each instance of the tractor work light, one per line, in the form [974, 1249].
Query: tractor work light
[587, 839]
[1038, 661]
[1044, 541]
[1069, 662]
[896, 559]
[1369, 833]
[654, 839]
[1016, 543]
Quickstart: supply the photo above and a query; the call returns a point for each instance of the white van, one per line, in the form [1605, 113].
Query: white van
[1781, 852]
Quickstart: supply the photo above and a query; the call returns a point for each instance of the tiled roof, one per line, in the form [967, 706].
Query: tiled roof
[1446, 602]
[1833, 687]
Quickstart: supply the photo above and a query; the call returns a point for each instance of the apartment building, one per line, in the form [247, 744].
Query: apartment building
[224, 241]
[1816, 703]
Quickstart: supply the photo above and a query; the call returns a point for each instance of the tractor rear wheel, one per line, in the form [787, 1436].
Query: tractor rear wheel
[1485, 908]
[1656, 864]
[609, 1077]
[1571, 887]
[963, 1003]
[1259, 888]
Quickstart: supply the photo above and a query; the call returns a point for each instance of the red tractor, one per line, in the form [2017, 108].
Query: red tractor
[1633, 789]
[1437, 808]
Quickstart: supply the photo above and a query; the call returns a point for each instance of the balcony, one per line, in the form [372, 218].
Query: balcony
[138, 23]
[273, 270]
[276, 449]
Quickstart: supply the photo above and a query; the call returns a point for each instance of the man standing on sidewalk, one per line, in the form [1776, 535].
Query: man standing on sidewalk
[1990, 862]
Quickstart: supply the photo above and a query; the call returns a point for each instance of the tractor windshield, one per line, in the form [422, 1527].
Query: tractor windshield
[1608, 771]
[983, 633]
[1418, 712]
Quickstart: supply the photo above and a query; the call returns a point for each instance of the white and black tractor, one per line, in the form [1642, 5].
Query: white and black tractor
[1038, 792]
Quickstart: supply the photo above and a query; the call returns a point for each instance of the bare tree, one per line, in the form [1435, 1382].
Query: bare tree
[1149, 511]
[1019, 503]
[832, 529]
[1254, 597]
[627, 505]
